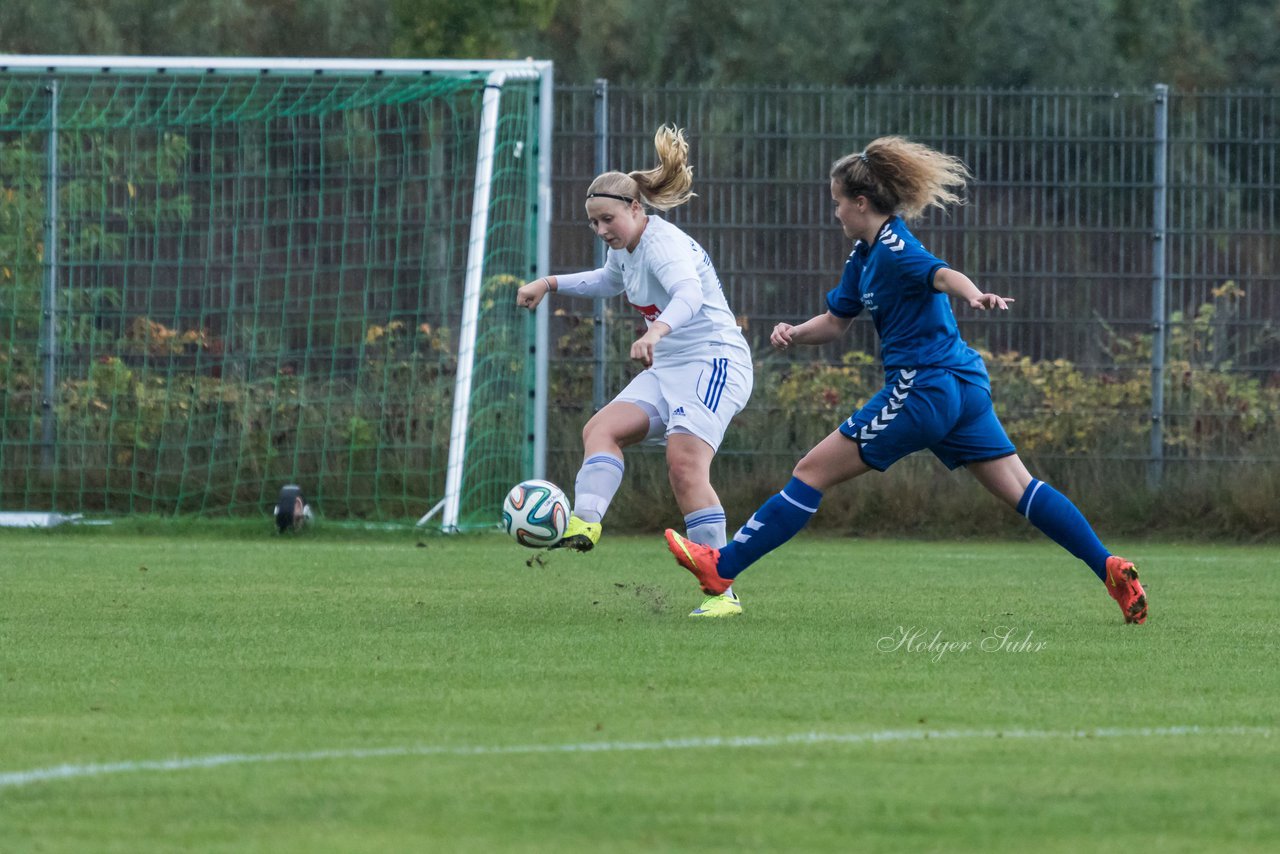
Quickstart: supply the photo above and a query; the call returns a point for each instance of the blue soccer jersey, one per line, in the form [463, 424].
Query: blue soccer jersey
[893, 279]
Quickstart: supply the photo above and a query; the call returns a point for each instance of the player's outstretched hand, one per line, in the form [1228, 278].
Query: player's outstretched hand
[532, 293]
[982, 302]
[781, 336]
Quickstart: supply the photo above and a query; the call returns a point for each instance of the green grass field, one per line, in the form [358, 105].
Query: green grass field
[196, 692]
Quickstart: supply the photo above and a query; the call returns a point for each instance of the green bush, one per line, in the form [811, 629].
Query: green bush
[149, 425]
[1086, 429]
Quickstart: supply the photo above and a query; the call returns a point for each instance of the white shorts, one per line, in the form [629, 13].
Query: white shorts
[699, 395]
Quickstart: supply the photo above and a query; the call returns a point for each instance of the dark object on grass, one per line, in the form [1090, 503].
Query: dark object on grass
[292, 510]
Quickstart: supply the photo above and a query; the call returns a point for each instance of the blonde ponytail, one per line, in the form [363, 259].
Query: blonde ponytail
[670, 183]
[666, 186]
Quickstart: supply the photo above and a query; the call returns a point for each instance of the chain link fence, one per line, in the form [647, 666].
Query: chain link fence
[1136, 230]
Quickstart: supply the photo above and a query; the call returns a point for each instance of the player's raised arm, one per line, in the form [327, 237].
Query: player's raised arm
[957, 284]
[816, 330]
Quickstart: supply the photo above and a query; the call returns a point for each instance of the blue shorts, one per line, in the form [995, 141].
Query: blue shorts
[928, 408]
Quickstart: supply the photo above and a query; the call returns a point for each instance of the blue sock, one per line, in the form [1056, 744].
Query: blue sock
[778, 520]
[1052, 512]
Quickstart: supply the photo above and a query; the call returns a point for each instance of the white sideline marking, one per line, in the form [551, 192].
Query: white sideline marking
[14, 779]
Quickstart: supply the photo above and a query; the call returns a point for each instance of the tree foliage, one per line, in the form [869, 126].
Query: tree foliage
[196, 27]
[458, 28]
[343, 28]
[1052, 43]
[1093, 43]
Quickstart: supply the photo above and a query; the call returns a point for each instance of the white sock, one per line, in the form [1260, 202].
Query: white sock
[707, 527]
[593, 490]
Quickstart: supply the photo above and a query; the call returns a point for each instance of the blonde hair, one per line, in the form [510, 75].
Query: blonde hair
[902, 177]
[666, 186]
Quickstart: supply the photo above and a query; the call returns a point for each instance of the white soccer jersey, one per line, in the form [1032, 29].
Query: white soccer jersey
[664, 257]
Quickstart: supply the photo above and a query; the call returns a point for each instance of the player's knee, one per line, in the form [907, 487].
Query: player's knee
[686, 476]
[597, 432]
[805, 470]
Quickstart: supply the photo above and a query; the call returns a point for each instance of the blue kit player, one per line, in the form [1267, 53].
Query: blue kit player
[937, 394]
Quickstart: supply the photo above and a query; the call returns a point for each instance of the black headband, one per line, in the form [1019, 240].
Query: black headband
[626, 199]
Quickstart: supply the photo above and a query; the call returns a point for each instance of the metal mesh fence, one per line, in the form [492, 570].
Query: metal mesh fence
[1135, 229]
[1064, 213]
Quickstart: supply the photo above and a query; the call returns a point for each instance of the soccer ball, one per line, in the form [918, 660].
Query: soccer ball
[536, 513]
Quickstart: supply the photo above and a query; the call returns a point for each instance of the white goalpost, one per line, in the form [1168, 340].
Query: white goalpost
[225, 107]
[456, 471]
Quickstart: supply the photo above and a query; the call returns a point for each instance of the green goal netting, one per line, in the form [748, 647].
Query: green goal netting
[218, 280]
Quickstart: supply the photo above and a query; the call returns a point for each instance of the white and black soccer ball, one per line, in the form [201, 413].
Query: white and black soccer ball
[536, 513]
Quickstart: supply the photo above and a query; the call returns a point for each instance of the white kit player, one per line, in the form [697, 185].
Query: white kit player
[697, 363]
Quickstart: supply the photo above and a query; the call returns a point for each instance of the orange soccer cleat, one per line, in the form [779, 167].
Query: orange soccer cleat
[701, 561]
[1124, 587]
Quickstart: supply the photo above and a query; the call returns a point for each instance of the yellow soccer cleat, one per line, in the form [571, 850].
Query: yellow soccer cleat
[725, 605]
[579, 535]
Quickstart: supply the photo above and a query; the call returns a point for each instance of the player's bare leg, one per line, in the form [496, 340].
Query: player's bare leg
[1006, 478]
[1053, 513]
[609, 431]
[831, 462]
[689, 470]
[835, 459]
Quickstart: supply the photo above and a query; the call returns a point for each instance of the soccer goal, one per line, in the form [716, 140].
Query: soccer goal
[218, 276]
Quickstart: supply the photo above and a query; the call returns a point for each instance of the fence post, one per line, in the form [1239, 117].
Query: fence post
[49, 298]
[1159, 284]
[601, 331]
